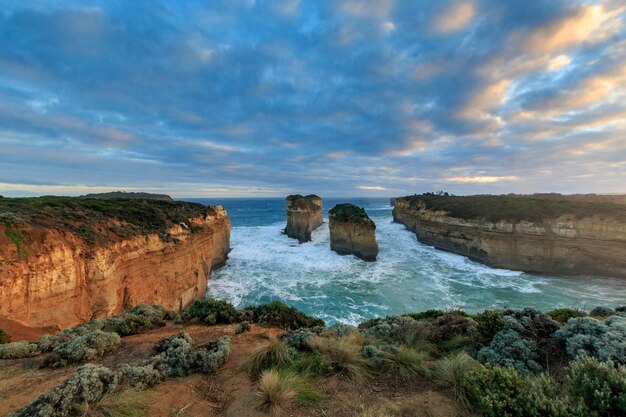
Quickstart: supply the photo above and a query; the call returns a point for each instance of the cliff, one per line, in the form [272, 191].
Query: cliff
[304, 214]
[66, 260]
[352, 232]
[550, 236]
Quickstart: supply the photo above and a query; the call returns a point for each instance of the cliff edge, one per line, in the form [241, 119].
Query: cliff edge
[352, 232]
[66, 260]
[551, 236]
[304, 214]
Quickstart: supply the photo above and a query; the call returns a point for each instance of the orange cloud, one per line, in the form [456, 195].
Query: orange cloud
[486, 99]
[455, 18]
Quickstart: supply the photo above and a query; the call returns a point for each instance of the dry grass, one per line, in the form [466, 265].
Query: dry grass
[451, 371]
[405, 363]
[279, 390]
[272, 353]
[129, 403]
[343, 355]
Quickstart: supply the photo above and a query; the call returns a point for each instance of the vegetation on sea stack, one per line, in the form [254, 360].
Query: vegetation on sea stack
[349, 212]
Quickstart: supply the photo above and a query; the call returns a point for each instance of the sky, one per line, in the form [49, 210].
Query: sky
[245, 98]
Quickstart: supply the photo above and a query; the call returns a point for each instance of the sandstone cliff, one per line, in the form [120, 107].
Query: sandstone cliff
[304, 214]
[352, 232]
[564, 237]
[63, 266]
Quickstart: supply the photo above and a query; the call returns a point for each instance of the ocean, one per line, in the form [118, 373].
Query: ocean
[265, 265]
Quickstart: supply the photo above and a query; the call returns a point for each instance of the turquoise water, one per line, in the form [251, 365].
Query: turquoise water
[266, 265]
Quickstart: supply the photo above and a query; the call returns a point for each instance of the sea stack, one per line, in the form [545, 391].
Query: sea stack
[304, 214]
[352, 232]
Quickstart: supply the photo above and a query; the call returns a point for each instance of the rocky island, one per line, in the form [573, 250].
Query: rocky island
[549, 234]
[304, 214]
[65, 260]
[352, 232]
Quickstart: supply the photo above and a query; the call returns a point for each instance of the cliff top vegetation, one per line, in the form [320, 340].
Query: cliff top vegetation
[97, 219]
[517, 207]
[349, 212]
[297, 201]
[130, 195]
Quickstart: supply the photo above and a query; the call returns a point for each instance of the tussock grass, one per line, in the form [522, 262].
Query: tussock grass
[451, 372]
[404, 362]
[272, 353]
[278, 390]
[129, 403]
[342, 355]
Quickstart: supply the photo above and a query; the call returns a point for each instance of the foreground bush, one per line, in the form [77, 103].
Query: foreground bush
[489, 323]
[210, 311]
[403, 362]
[4, 337]
[18, 350]
[84, 348]
[88, 385]
[509, 349]
[600, 386]
[343, 355]
[604, 340]
[280, 315]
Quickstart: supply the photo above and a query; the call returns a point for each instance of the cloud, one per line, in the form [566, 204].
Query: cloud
[456, 17]
[480, 179]
[590, 23]
[371, 188]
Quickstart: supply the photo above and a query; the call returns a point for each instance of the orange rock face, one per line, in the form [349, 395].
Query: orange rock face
[63, 280]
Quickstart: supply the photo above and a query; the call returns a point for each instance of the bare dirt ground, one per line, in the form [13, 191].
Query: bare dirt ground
[230, 392]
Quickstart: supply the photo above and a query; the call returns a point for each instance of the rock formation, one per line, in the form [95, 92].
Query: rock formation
[304, 214]
[352, 232]
[565, 237]
[82, 261]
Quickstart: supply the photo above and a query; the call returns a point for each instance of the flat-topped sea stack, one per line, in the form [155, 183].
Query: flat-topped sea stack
[546, 233]
[352, 232]
[65, 260]
[304, 214]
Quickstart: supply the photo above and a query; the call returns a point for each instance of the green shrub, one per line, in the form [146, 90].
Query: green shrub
[4, 337]
[299, 339]
[424, 315]
[89, 384]
[509, 349]
[601, 386]
[18, 350]
[210, 311]
[244, 326]
[343, 355]
[451, 324]
[280, 315]
[494, 391]
[562, 315]
[489, 323]
[392, 327]
[601, 339]
[341, 329]
[84, 348]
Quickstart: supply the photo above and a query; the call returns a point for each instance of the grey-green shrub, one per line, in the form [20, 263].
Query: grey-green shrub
[139, 319]
[299, 339]
[601, 386]
[601, 339]
[211, 311]
[391, 327]
[140, 376]
[18, 350]
[509, 349]
[601, 312]
[341, 329]
[84, 348]
[87, 385]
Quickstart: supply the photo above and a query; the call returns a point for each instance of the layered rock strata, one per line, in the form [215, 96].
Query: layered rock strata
[52, 274]
[304, 214]
[563, 237]
[352, 232]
